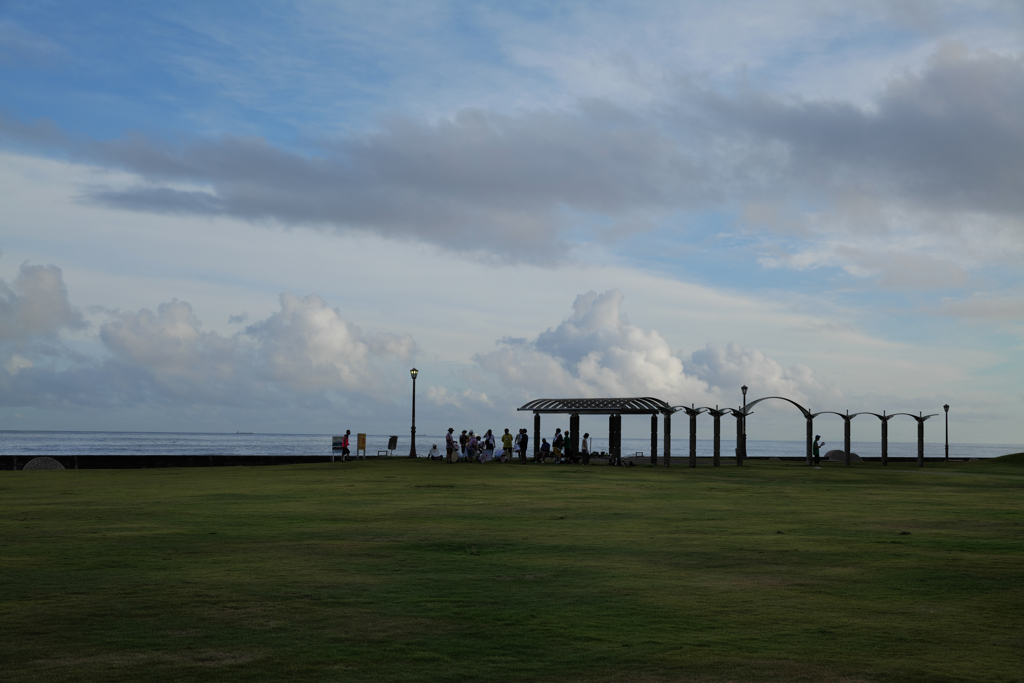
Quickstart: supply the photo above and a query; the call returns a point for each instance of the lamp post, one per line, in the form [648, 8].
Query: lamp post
[743, 451]
[946, 408]
[412, 448]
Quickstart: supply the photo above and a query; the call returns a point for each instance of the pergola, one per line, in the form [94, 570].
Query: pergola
[614, 408]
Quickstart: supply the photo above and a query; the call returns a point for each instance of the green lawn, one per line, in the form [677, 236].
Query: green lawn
[418, 571]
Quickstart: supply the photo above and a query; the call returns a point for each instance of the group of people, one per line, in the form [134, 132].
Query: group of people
[471, 447]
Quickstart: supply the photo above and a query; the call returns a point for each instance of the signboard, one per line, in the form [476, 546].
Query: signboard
[361, 443]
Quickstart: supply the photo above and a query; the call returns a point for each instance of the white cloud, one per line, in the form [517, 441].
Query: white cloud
[304, 353]
[34, 310]
[596, 352]
[440, 396]
[734, 365]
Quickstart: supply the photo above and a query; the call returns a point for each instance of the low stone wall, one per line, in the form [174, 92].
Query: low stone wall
[129, 462]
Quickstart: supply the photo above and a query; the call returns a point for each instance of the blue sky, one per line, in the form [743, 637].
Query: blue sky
[260, 215]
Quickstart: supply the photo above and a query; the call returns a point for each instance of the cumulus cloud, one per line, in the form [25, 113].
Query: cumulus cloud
[305, 353]
[596, 352]
[34, 311]
[734, 365]
[308, 346]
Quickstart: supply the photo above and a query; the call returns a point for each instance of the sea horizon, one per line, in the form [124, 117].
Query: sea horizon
[106, 442]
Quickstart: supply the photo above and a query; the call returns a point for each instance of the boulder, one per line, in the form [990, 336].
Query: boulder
[840, 456]
[43, 463]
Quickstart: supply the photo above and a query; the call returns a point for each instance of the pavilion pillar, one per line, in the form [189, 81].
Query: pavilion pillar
[885, 440]
[693, 439]
[718, 439]
[536, 437]
[846, 438]
[574, 436]
[615, 438]
[668, 438]
[810, 439]
[654, 440]
[739, 439]
[920, 443]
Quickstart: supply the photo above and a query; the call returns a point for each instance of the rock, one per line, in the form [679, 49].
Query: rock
[43, 463]
[840, 456]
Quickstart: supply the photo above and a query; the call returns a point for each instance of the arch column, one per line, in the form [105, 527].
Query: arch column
[717, 457]
[739, 438]
[846, 437]
[810, 440]
[920, 442]
[885, 440]
[693, 438]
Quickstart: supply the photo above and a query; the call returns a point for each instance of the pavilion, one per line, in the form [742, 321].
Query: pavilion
[614, 408]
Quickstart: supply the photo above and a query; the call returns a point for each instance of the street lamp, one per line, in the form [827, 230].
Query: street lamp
[946, 408]
[743, 451]
[412, 448]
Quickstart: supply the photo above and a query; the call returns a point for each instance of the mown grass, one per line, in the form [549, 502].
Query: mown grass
[417, 571]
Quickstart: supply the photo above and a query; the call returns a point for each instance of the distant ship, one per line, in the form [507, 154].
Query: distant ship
[243, 432]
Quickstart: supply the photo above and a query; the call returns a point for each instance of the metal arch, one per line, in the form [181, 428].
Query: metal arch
[832, 412]
[883, 418]
[720, 411]
[641, 405]
[803, 410]
[919, 418]
[689, 410]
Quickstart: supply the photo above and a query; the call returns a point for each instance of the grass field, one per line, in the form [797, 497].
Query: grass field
[417, 571]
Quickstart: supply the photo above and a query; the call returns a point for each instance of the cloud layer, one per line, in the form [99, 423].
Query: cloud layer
[934, 162]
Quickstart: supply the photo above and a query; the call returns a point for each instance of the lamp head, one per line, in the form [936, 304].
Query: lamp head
[413, 373]
[744, 389]
[946, 407]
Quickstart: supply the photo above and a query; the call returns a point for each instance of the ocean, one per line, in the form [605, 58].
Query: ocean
[186, 443]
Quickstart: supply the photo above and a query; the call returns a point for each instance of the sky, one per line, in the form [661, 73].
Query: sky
[241, 216]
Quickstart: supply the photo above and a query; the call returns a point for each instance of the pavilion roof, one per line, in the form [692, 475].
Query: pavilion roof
[599, 406]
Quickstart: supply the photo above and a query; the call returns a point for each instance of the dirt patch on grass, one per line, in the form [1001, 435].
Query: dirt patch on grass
[205, 658]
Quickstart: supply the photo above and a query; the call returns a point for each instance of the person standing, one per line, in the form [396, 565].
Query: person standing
[463, 442]
[489, 444]
[569, 448]
[585, 448]
[556, 446]
[450, 443]
[523, 443]
[816, 449]
[344, 446]
[506, 446]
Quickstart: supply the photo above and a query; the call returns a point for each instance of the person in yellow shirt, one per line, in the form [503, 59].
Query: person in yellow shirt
[507, 446]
